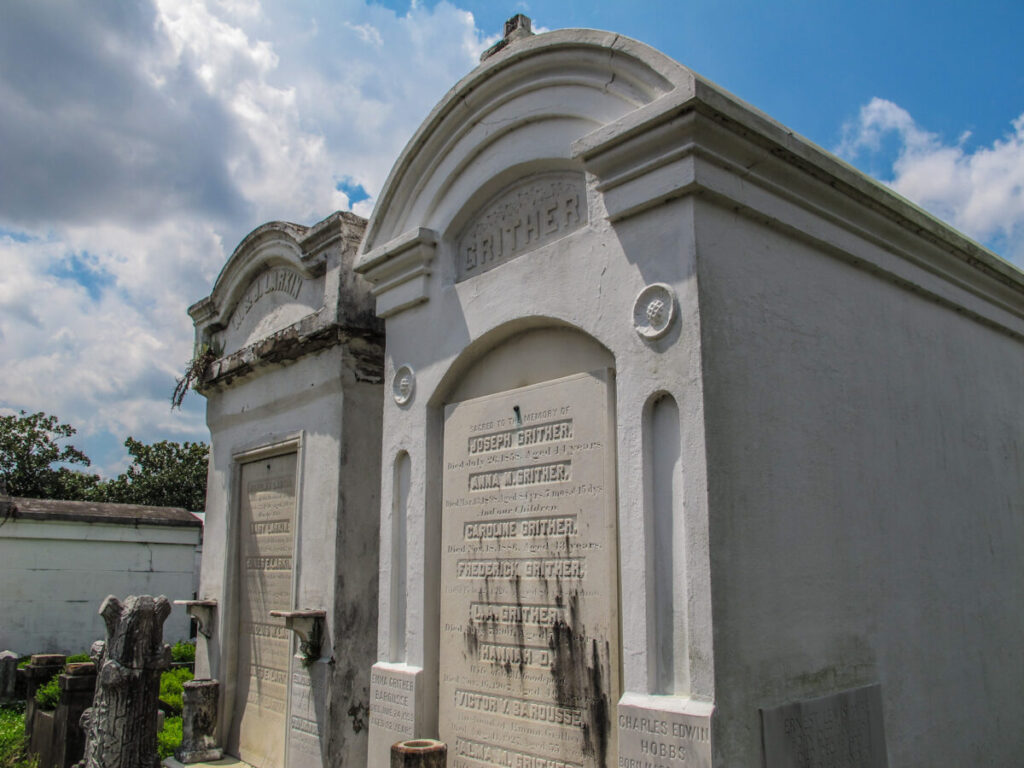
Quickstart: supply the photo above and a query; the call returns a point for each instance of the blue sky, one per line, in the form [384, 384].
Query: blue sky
[140, 142]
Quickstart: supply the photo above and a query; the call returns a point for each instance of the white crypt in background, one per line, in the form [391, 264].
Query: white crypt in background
[695, 447]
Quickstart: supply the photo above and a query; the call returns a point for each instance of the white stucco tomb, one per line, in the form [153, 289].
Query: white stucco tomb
[60, 559]
[690, 428]
[288, 598]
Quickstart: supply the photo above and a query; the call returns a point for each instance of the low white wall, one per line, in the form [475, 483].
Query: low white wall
[55, 574]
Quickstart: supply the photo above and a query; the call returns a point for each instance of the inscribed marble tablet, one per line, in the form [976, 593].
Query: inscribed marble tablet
[529, 628]
[843, 730]
[394, 695]
[307, 715]
[663, 732]
[266, 543]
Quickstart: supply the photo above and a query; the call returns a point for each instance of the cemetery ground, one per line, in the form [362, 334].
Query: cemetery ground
[14, 747]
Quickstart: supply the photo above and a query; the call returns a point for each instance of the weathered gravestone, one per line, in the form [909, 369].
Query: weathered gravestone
[77, 691]
[686, 420]
[8, 676]
[121, 725]
[289, 574]
[41, 668]
[199, 722]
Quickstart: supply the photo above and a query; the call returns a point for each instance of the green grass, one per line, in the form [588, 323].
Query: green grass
[168, 738]
[171, 686]
[12, 738]
[12, 719]
[183, 651]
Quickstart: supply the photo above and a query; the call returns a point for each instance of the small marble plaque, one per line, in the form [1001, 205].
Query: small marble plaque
[393, 698]
[843, 730]
[664, 732]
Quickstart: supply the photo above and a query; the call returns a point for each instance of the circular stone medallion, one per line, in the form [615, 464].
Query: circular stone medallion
[654, 310]
[403, 385]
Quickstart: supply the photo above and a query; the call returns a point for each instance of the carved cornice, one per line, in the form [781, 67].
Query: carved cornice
[399, 270]
[303, 338]
[708, 142]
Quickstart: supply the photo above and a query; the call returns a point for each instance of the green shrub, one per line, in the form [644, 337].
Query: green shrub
[171, 686]
[24, 662]
[183, 651]
[48, 694]
[169, 737]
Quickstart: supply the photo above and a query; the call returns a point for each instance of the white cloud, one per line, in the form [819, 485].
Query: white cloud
[367, 33]
[140, 143]
[979, 190]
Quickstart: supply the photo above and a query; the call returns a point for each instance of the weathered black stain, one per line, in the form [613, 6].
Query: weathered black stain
[520, 634]
[580, 671]
[358, 712]
[471, 638]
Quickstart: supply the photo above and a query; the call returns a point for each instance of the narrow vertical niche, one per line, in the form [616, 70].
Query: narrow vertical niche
[666, 547]
[399, 570]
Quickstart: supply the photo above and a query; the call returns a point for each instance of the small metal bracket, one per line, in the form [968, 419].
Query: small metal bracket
[202, 611]
[309, 626]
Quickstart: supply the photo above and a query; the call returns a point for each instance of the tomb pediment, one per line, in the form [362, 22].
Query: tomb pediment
[283, 292]
[491, 174]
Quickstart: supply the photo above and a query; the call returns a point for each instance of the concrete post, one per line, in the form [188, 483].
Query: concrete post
[8, 676]
[199, 723]
[42, 667]
[77, 686]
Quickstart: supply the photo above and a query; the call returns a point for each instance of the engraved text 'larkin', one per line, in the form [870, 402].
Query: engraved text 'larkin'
[281, 279]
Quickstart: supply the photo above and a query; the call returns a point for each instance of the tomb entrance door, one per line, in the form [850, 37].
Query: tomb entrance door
[265, 570]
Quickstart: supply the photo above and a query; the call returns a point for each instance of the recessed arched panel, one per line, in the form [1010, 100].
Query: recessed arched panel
[525, 215]
[529, 603]
[522, 354]
[665, 547]
[399, 572]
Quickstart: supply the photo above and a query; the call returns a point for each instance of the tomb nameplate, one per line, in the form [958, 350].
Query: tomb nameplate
[529, 598]
[308, 711]
[663, 732]
[266, 543]
[519, 219]
[843, 730]
[394, 692]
